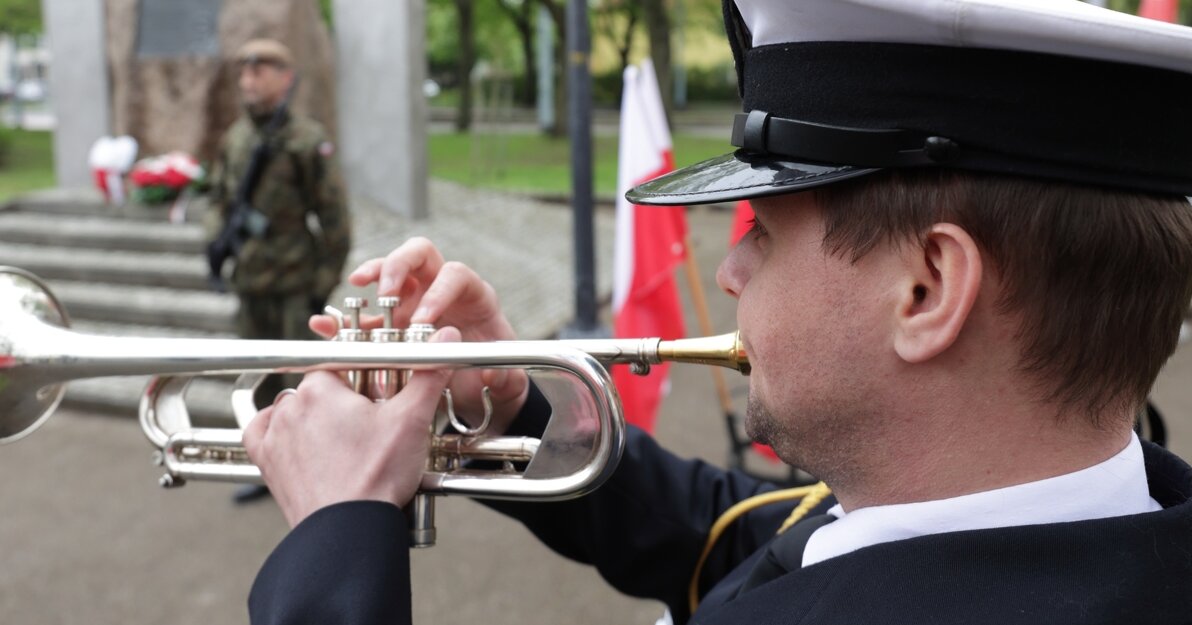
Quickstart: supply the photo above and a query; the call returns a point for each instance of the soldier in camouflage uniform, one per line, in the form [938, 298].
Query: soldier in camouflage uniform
[286, 275]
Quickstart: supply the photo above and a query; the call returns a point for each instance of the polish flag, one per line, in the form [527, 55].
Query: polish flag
[741, 224]
[648, 245]
[1163, 10]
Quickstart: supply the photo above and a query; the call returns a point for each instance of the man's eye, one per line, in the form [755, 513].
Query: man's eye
[756, 228]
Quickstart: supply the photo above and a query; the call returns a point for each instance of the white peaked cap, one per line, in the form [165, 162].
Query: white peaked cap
[1052, 89]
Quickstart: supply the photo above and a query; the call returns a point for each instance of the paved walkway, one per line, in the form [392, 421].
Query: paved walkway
[520, 245]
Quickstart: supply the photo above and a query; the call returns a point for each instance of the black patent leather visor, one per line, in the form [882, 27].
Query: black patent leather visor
[738, 176]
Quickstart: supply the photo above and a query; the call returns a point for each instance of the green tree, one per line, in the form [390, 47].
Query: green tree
[465, 62]
[521, 15]
[20, 17]
[328, 13]
[616, 20]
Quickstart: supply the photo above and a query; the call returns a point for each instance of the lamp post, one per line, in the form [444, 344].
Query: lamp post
[579, 110]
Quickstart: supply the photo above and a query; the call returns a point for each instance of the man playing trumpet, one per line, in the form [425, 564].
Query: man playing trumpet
[966, 271]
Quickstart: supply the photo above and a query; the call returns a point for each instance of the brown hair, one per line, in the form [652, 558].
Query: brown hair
[1100, 278]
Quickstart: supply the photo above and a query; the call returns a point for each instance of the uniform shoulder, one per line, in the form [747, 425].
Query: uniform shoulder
[306, 133]
[239, 132]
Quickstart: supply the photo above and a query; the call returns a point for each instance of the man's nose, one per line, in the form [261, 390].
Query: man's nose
[731, 275]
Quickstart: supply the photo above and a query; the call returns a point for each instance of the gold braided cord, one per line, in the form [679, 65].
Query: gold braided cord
[819, 492]
[810, 495]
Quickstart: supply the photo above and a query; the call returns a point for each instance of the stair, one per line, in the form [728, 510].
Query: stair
[123, 271]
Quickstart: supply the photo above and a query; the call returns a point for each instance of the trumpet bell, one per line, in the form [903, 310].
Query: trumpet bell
[25, 403]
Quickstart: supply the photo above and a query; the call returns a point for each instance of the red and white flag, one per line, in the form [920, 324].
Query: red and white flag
[648, 246]
[1163, 10]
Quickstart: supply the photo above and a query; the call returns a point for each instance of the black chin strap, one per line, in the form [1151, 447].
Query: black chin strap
[761, 133]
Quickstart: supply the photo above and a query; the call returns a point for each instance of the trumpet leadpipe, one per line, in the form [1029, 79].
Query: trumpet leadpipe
[724, 350]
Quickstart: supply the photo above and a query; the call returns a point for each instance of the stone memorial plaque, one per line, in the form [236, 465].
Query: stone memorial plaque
[178, 28]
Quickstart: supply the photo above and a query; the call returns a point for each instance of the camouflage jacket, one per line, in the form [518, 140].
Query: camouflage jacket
[301, 178]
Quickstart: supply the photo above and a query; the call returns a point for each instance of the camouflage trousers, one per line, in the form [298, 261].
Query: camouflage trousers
[275, 317]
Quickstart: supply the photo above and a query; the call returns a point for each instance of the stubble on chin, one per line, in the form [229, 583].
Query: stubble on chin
[825, 443]
[759, 422]
[763, 426]
[798, 440]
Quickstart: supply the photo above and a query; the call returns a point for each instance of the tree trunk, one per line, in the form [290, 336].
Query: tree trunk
[523, 20]
[559, 17]
[658, 26]
[625, 47]
[467, 59]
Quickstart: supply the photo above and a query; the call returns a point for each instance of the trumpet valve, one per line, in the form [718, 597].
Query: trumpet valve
[355, 333]
[385, 383]
[387, 304]
[351, 329]
[419, 332]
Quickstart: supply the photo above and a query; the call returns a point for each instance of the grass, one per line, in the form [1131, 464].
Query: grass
[540, 164]
[29, 164]
[531, 163]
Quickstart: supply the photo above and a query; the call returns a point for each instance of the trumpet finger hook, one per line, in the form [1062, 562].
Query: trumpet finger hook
[461, 427]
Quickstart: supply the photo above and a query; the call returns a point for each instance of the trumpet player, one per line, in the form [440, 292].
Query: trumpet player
[971, 257]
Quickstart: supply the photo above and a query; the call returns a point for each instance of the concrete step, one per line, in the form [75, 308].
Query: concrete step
[90, 202]
[179, 271]
[208, 399]
[89, 232]
[150, 306]
[107, 328]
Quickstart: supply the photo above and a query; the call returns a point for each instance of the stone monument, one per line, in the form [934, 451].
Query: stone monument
[159, 70]
[78, 85]
[381, 47]
[173, 83]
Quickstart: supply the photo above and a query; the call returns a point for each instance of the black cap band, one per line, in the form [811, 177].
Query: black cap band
[903, 105]
[760, 133]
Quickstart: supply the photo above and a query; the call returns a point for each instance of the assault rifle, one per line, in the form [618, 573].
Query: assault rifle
[243, 221]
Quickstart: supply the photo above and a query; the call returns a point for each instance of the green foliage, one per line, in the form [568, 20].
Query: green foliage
[6, 140]
[539, 164]
[29, 165]
[712, 84]
[704, 84]
[325, 9]
[20, 17]
[496, 39]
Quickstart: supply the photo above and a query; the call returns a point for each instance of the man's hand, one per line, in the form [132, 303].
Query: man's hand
[445, 294]
[326, 444]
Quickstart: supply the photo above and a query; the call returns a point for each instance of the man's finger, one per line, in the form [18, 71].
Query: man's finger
[367, 272]
[456, 282]
[417, 258]
[255, 433]
[422, 392]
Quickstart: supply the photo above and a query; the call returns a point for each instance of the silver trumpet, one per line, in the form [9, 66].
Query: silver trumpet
[579, 449]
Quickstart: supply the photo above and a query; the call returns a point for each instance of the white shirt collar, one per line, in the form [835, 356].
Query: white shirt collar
[1116, 487]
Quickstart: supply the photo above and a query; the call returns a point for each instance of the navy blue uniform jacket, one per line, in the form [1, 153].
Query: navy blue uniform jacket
[644, 530]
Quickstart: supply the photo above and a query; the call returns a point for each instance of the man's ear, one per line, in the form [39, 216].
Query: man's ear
[942, 282]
